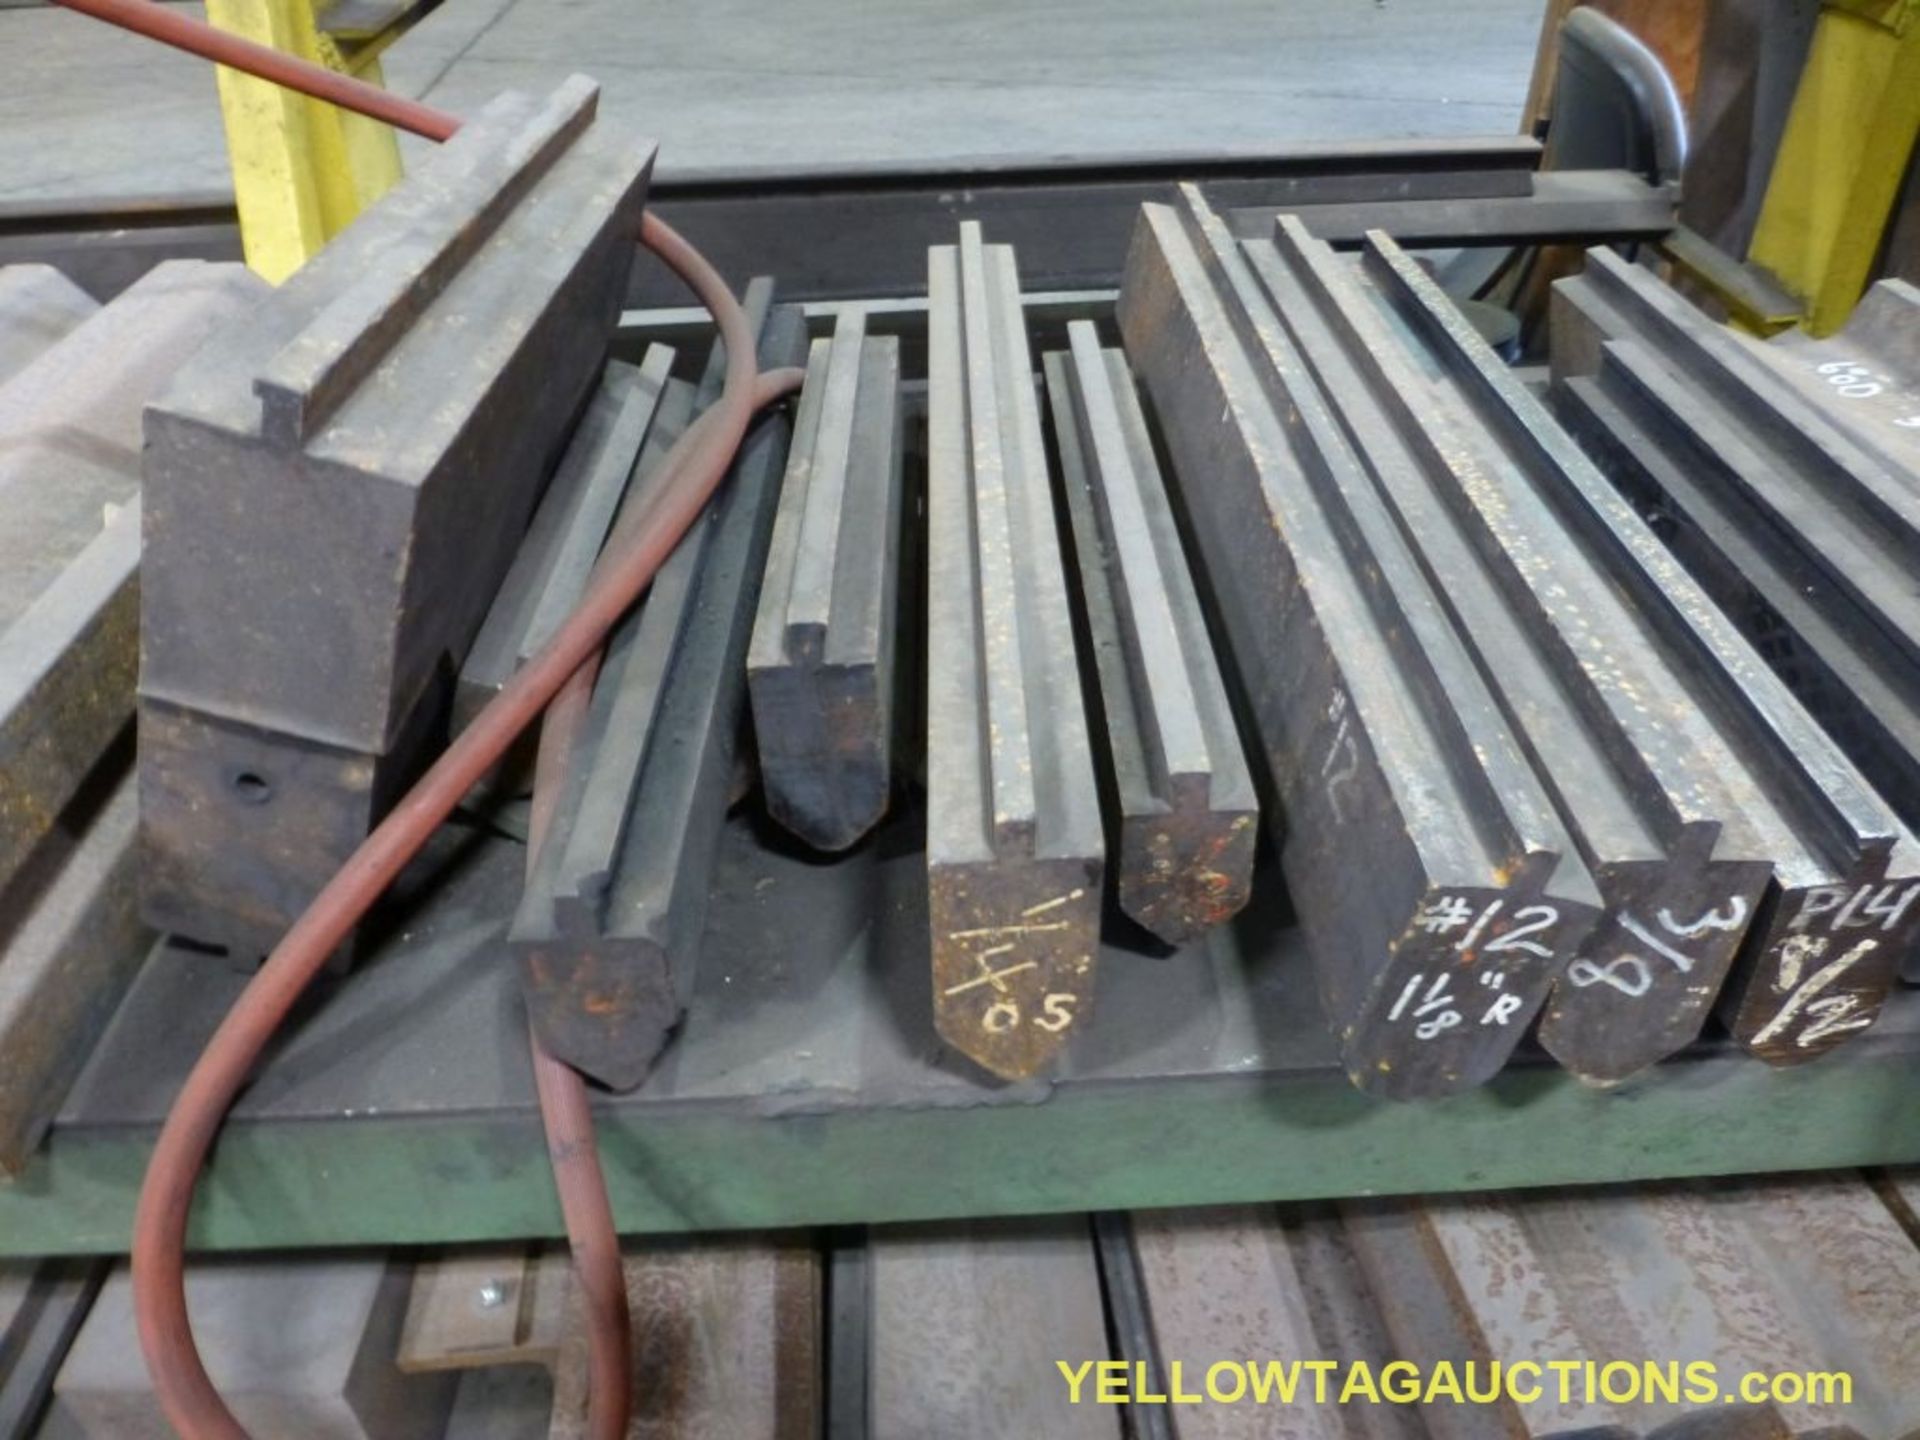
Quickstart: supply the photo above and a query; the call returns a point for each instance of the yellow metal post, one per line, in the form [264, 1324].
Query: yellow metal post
[302, 169]
[1849, 139]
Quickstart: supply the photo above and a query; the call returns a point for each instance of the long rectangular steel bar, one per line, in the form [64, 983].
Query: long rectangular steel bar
[820, 668]
[1069, 215]
[1182, 813]
[549, 571]
[1014, 847]
[1822, 955]
[608, 932]
[1679, 835]
[991, 1298]
[1561, 206]
[67, 670]
[1438, 890]
[854, 232]
[70, 942]
[374, 444]
[1802, 526]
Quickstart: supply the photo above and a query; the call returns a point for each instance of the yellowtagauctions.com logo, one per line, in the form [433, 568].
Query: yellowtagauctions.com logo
[1335, 1382]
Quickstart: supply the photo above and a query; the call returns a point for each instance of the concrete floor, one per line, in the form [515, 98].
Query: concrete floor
[85, 111]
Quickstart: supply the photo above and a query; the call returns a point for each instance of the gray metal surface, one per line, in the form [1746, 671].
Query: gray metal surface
[1802, 530]
[968, 1321]
[70, 541]
[70, 943]
[42, 1305]
[1437, 888]
[297, 1345]
[1815, 1274]
[38, 306]
[820, 665]
[549, 570]
[1181, 811]
[372, 444]
[1014, 844]
[608, 931]
[860, 230]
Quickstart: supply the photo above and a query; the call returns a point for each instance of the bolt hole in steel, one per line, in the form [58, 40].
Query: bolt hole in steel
[252, 787]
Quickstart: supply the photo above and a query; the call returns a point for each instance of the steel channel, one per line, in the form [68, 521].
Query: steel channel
[820, 667]
[1835, 933]
[1182, 813]
[1014, 846]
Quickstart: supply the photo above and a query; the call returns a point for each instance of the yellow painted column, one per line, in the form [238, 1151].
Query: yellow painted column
[1849, 139]
[302, 169]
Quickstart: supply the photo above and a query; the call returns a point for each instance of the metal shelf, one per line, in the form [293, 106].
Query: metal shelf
[807, 1086]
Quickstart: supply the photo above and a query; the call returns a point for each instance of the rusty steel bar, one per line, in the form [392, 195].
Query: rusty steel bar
[1014, 845]
[1182, 814]
[820, 667]
[1680, 834]
[608, 931]
[1438, 891]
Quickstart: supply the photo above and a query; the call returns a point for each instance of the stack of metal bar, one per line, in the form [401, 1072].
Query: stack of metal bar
[1016, 848]
[73, 378]
[1785, 476]
[1517, 746]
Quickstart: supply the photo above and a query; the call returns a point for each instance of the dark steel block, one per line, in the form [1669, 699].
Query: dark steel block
[1439, 893]
[336, 490]
[38, 308]
[820, 667]
[1182, 814]
[1805, 532]
[608, 931]
[549, 571]
[1014, 845]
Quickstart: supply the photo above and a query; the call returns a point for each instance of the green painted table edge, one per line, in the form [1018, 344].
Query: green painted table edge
[1125, 1145]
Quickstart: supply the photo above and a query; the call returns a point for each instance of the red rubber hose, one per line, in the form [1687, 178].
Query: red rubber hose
[572, 1148]
[564, 1111]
